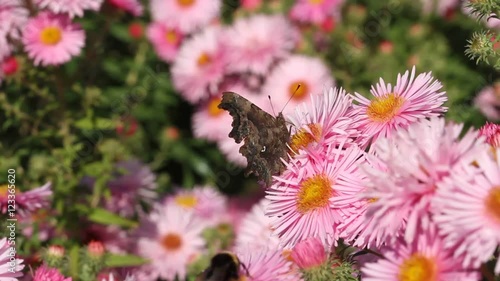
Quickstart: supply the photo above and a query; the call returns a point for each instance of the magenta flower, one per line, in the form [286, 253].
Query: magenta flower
[26, 202]
[10, 267]
[467, 209]
[425, 258]
[302, 199]
[52, 39]
[255, 43]
[414, 161]
[411, 99]
[309, 253]
[71, 7]
[44, 273]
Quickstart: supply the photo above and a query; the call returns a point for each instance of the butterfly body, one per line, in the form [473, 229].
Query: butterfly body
[265, 136]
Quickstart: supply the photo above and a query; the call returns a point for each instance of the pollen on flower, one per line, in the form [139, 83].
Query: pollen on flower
[492, 203]
[213, 107]
[51, 35]
[298, 90]
[171, 241]
[187, 201]
[204, 59]
[418, 268]
[287, 254]
[185, 3]
[304, 137]
[314, 193]
[316, 2]
[384, 108]
[172, 37]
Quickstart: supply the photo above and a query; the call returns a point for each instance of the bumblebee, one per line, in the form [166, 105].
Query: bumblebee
[224, 266]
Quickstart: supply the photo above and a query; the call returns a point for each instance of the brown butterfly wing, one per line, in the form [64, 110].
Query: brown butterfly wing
[265, 136]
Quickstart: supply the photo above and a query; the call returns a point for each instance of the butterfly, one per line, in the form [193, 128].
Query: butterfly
[265, 136]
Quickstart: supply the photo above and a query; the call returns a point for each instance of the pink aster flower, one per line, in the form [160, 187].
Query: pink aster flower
[133, 182]
[165, 40]
[169, 237]
[256, 229]
[488, 102]
[311, 74]
[206, 202]
[267, 264]
[26, 202]
[309, 253]
[132, 6]
[256, 42]
[315, 11]
[425, 258]
[10, 266]
[186, 15]
[13, 16]
[302, 198]
[492, 133]
[410, 99]
[325, 120]
[52, 39]
[200, 65]
[71, 7]
[415, 161]
[467, 209]
[44, 273]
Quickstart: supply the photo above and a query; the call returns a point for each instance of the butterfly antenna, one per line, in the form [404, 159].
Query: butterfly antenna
[294, 92]
[272, 107]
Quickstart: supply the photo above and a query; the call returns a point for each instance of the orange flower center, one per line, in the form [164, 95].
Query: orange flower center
[187, 201]
[316, 2]
[314, 193]
[172, 37]
[298, 90]
[51, 35]
[384, 108]
[171, 242]
[213, 108]
[418, 268]
[303, 137]
[492, 203]
[185, 3]
[204, 59]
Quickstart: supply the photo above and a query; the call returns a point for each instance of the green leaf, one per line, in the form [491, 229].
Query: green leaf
[114, 260]
[102, 216]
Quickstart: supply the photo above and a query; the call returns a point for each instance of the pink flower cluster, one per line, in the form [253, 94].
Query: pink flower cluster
[50, 36]
[391, 175]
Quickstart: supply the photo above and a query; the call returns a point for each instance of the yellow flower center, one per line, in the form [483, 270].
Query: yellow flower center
[51, 35]
[213, 108]
[204, 59]
[4, 191]
[314, 193]
[187, 201]
[171, 242]
[316, 2]
[303, 138]
[185, 3]
[172, 37]
[492, 203]
[384, 108]
[298, 90]
[418, 268]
